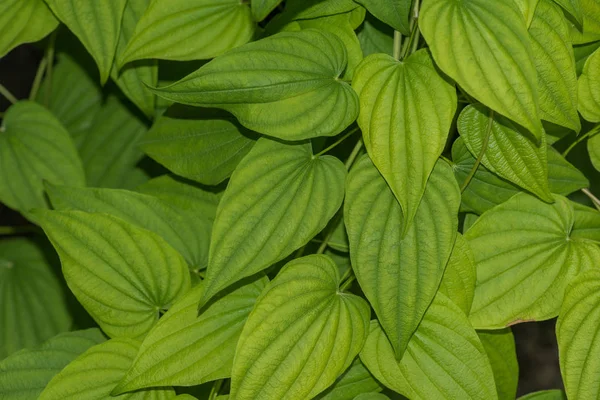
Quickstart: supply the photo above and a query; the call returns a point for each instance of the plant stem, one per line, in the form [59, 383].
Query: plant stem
[594, 199]
[589, 134]
[38, 79]
[9, 96]
[354, 154]
[214, 392]
[409, 47]
[50, 58]
[397, 45]
[345, 285]
[346, 136]
[481, 153]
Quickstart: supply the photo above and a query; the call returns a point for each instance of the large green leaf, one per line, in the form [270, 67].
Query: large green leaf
[123, 275]
[458, 282]
[509, 153]
[444, 359]
[285, 86]
[545, 395]
[526, 252]
[96, 24]
[589, 88]
[186, 349]
[354, 381]
[573, 7]
[527, 8]
[187, 234]
[577, 331]
[34, 147]
[189, 30]
[24, 21]
[395, 13]
[33, 306]
[262, 8]
[500, 348]
[555, 64]
[198, 143]
[301, 335]
[484, 46]
[279, 197]
[26, 373]
[400, 276]
[94, 374]
[399, 101]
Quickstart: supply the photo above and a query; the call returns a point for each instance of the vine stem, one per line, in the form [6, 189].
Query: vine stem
[481, 152]
[346, 136]
[594, 199]
[38, 79]
[397, 45]
[345, 285]
[354, 154]
[589, 134]
[325, 241]
[49, 72]
[9, 96]
[214, 392]
[409, 45]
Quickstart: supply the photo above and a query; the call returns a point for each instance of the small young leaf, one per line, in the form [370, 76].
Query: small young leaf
[458, 282]
[399, 276]
[262, 8]
[24, 21]
[444, 359]
[279, 197]
[26, 373]
[589, 88]
[301, 335]
[395, 13]
[398, 102]
[356, 380]
[123, 275]
[545, 395]
[284, 86]
[500, 348]
[496, 68]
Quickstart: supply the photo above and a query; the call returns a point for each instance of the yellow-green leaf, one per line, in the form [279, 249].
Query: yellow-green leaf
[589, 88]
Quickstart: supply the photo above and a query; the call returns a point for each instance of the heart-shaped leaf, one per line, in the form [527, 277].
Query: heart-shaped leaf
[589, 88]
[24, 21]
[500, 348]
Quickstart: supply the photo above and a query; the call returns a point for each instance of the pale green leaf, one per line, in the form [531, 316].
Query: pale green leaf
[526, 252]
[577, 331]
[573, 7]
[96, 24]
[555, 65]
[198, 143]
[189, 30]
[187, 349]
[590, 9]
[262, 8]
[458, 282]
[33, 306]
[24, 21]
[444, 359]
[395, 13]
[399, 276]
[94, 374]
[500, 348]
[285, 86]
[399, 101]
[356, 380]
[123, 275]
[26, 373]
[589, 88]
[527, 8]
[545, 395]
[301, 335]
[484, 46]
[376, 37]
[34, 147]
[510, 153]
[279, 197]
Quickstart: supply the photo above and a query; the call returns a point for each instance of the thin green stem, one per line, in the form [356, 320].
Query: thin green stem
[38, 79]
[415, 44]
[481, 153]
[409, 47]
[49, 72]
[214, 392]
[346, 136]
[354, 154]
[449, 161]
[589, 134]
[345, 285]
[594, 199]
[397, 45]
[9, 96]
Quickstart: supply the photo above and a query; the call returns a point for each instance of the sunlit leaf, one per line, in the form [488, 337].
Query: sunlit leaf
[458, 282]
[527, 8]
[573, 7]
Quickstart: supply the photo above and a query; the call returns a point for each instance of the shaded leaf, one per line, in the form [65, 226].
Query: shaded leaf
[356, 380]
[395, 13]
[590, 10]
[573, 7]
[545, 395]
[500, 348]
[262, 8]
[24, 21]
[376, 37]
[458, 282]
[589, 88]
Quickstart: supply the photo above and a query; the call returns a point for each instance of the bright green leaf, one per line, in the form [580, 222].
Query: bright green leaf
[376, 37]
[587, 223]
[545, 395]
[399, 276]
[355, 381]
[500, 348]
[279, 197]
[573, 7]
[285, 86]
[590, 9]
[26, 373]
[444, 359]
[589, 88]
[527, 8]
[395, 13]
[399, 101]
[24, 21]
[458, 282]
[302, 334]
[497, 68]
[123, 275]
[262, 8]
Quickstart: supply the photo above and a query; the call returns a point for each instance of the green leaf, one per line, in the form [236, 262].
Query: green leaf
[301, 335]
[577, 331]
[187, 349]
[395, 13]
[582, 53]
[95, 373]
[458, 282]
[134, 77]
[497, 68]
[356, 380]
[24, 21]
[573, 7]
[200, 144]
[33, 306]
[371, 396]
[376, 37]
[399, 276]
[262, 8]
[187, 234]
[590, 10]
[589, 88]
[444, 358]
[339, 237]
[311, 9]
[96, 24]
[555, 64]
[398, 102]
[25, 374]
[279, 197]
[545, 395]
[285, 86]
[500, 348]
[123, 275]
[526, 252]
[509, 153]
[563, 177]
[527, 8]
[587, 223]
[189, 30]
[34, 147]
